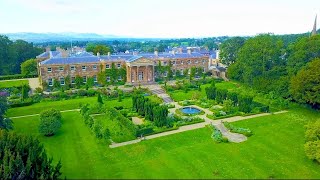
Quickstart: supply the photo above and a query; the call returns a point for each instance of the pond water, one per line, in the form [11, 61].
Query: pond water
[190, 110]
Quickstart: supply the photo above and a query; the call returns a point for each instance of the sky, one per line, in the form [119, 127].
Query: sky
[159, 18]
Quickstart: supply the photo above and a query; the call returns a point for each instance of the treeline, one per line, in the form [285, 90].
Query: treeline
[267, 64]
[150, 110]
[142, 45]
[13, 53]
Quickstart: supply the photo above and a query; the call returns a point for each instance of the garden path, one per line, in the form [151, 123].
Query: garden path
[196, 126]
[34, 83]
[157, 90]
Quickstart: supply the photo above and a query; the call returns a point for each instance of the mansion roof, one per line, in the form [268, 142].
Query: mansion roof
[85, 57]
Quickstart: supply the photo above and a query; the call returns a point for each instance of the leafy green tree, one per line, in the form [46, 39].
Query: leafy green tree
[185, 72]
[305, 86]
[312, 145]
[25, 91]
[160, 114]
[5, 123]
[303, 51]
[229, 50]
[102, 78]
[245, 103]
[98, 48]
[24, 157]
[211, 91]
[56, 83]
[67, 81]
[78, 81]
[227, 105]
[260, 63]
[123, 73]
[100, 99]
[193, 72]
[90, 82]
[113, 73]
[29, 67]
[50, 122]
[12, 54]
[221, 95]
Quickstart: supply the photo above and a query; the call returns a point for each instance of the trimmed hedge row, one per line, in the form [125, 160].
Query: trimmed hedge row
[17, 76]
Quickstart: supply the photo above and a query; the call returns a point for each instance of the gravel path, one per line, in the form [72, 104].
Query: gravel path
[233, 137]
[34, 83]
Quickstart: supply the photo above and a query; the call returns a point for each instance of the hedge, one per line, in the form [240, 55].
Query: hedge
[17, 76]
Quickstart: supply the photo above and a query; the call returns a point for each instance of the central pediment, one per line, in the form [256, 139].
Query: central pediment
[139, 60]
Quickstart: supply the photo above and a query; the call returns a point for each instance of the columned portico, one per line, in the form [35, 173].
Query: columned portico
[140, 70]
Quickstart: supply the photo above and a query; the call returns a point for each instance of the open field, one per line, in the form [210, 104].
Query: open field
[12, 83]
[64, 105]
[275, 150]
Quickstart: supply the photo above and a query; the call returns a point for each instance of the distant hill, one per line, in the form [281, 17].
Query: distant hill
[66, 36]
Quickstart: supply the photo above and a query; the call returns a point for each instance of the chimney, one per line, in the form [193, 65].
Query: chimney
[156, 53]
[98, 54]
[109, 54]
[189, 51]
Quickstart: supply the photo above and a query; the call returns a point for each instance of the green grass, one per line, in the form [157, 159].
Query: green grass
[63, 105]
[275, 150]
[118, 131]
[13, 83]
[180, 95]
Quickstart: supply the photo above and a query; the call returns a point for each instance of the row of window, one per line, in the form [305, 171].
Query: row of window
[181, 62]
[73, 80]
[84, 68]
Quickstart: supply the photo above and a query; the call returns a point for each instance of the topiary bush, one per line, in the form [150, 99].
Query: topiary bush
[50, 122]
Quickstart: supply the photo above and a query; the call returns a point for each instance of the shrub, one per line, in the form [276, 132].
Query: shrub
[24, 157]
[244, 131]
[99, 99]
[245, 103]
[312, 150]
[82, 92]
[312, 145]
[211, 91]
[39, 90]
[217, 136]
[50, 122]
[221, 94]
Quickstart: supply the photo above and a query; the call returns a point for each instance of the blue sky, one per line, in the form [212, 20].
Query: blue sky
[159, 18]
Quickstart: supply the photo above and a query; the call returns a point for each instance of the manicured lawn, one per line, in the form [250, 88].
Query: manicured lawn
[118, 131]
[275, 150]
[13, 83]
[63, 105]
[180, 95]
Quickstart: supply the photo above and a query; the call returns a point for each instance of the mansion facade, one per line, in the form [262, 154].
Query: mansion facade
[140, 68]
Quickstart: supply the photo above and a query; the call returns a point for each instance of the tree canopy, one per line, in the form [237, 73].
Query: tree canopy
[29, 67]
[5, 123]
[98, 48]
[12, 54]
[229, 49]
[23, 157]
[302, 52]
[305, 86]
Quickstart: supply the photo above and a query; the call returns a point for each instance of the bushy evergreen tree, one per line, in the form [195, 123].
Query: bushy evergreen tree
[23, 157]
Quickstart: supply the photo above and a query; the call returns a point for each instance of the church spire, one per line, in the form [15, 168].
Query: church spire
[314, 30]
